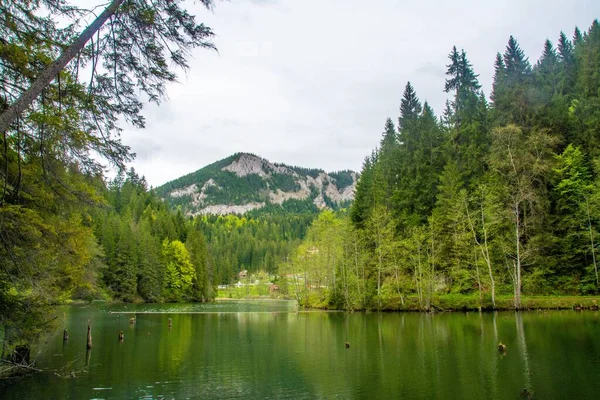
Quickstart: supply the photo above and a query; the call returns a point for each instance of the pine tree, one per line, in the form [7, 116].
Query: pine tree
[363, 198]
[585, 109]
[409, 147]
[577, 37]
[565, 49]
[201, 286]
[498, 84]
[517, 65]
[467, 133]
[389, 138]
[547, 70]
[387, 164]
[463, 80]
[512, 95]
[568, 67]
[410, 109]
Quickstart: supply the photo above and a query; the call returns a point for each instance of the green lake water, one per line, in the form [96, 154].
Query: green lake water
[271, 350]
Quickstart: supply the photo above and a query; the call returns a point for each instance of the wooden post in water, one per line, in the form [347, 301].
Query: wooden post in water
[89, 335]
[121, 336]
[65, 335]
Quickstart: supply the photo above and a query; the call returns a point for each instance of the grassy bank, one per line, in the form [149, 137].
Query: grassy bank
[464, 303]
[453, 302]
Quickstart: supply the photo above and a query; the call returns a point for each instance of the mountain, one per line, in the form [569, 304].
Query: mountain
[245, 182]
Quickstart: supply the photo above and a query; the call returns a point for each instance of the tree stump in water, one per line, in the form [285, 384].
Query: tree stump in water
[501, 348]
[347, 345]
[526, 394]
[89, 335]
[65, 335]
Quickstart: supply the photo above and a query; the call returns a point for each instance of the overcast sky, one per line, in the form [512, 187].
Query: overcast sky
[311, 82]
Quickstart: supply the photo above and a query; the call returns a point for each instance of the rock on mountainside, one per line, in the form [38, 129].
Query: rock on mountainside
[245, 182]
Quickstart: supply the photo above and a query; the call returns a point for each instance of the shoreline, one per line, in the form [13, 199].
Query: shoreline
[445, 303]
[452, 303]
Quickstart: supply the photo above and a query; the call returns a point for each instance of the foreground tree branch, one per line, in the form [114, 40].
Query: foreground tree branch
[9, 115]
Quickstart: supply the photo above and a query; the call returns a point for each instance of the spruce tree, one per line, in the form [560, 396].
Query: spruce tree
[410, 109]
[512, 93]
[498, 80]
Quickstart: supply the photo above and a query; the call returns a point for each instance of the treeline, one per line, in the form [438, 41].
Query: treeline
[252, 243]
[59, 123]
[492, 198]
[82, 239]
[150, 253]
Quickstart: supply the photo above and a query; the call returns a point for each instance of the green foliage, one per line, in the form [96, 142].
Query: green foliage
[343, 179]
[285, 182]
[64, 235]
[226, 187]
[179, 271]
[498, 200]
[143, 247]
[251, 243]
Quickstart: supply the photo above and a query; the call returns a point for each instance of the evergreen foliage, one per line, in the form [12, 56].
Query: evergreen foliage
[150, 253]
[498, 198]
[64, 87]
[217, 185]
[251, 243]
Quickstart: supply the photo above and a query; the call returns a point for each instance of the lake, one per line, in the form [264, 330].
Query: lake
[272, 350]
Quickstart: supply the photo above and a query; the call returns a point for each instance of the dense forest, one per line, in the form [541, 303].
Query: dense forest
[219, 184]
[490, 199]
[259, 243]
[150, 253]
[65, 232]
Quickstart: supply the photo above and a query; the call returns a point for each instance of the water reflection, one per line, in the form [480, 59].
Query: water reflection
[222, 353]
[523, 350]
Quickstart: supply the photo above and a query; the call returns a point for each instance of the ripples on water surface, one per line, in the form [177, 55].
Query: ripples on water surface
[267, 349]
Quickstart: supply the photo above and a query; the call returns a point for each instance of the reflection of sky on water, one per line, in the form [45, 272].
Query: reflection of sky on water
[230, 349]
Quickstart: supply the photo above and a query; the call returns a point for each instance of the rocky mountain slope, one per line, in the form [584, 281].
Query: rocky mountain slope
[245, 182]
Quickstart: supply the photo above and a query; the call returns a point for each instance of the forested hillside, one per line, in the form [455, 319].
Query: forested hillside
[492, 198]
[252, 243]
[149, 252]
[254, 213]
[247, 183]
[64, 88]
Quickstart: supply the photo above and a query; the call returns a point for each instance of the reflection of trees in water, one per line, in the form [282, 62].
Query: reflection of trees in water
[381, 350]
[422, 344]
[494, 357]
[523, 350]
[88, 357]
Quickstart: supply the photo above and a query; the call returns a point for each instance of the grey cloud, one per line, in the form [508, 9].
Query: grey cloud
[311, 82]
[145, 149]
[263, 2]
[434, 70]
